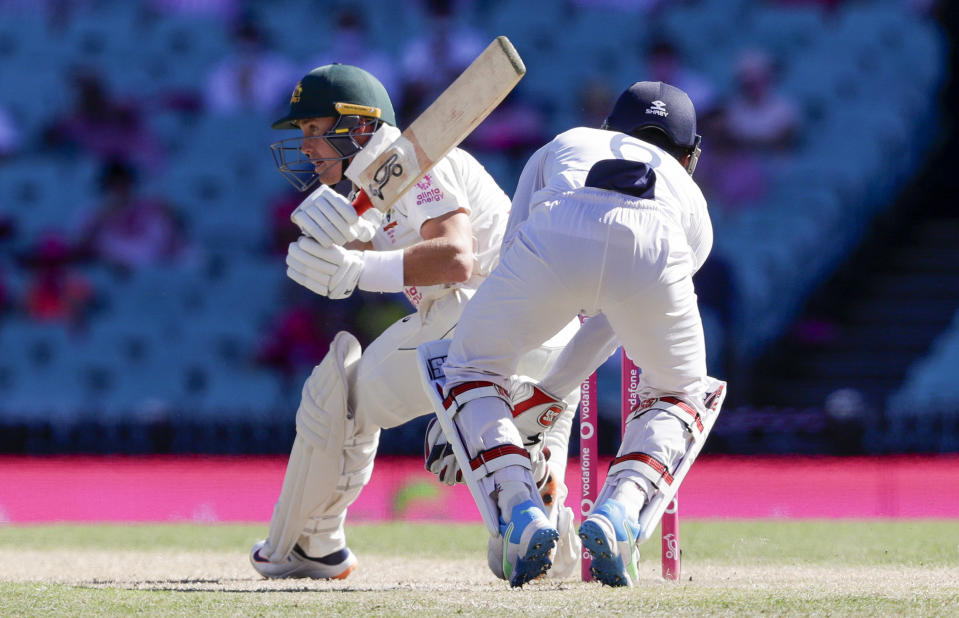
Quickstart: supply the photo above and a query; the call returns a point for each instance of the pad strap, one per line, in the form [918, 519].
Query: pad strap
[651, 468]
[498, 457]
[682, 410]
[462, 394]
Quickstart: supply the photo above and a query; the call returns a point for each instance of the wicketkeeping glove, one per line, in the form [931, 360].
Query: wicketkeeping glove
[441, 461]
[329, 218]
[328, 271]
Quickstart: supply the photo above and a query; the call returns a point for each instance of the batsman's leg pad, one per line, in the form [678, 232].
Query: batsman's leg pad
[329, 462]
[556, 442]
[323, 532]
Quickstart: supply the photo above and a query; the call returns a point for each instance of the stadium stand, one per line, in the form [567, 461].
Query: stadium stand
[175, 342]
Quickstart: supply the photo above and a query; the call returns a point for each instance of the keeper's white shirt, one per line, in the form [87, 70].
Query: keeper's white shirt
[563, 164]
[573, 249]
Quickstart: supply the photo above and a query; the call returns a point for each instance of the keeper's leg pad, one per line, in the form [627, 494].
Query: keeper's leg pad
[505, 462]
[655, 464]
[329, 463]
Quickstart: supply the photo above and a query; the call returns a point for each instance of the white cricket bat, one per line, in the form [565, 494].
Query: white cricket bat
[440, 128]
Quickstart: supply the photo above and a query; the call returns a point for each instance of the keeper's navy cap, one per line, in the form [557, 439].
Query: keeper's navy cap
[655, 104]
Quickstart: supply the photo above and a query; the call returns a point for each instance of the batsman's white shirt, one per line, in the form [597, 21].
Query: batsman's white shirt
[387, 390]
[457, 182]
[573, 249]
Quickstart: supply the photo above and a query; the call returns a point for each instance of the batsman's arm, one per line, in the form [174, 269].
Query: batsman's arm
[446, 253]
[444, 256]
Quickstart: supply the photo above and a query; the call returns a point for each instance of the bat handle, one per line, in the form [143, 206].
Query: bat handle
[362, 203]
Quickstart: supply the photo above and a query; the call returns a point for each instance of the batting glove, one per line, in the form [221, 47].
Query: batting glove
[329, 271]
[330, 219]
[440, 459]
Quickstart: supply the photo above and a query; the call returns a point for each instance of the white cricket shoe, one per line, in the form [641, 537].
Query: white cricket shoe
[524, 545]
[610, 536]
[337, 565]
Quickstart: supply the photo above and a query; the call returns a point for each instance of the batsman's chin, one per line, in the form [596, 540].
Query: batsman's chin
[328, 173]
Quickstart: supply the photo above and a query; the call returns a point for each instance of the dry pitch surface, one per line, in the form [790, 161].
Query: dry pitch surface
[730, 568]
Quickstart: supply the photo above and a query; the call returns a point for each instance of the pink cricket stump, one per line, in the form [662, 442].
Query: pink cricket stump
[588, 457]
[629, 386]
[670, 528]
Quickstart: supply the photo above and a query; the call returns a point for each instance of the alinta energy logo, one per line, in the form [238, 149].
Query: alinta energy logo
[658, 108]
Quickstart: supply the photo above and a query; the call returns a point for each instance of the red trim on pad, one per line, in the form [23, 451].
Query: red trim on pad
[496, 452]
[688, 409]
[658, 466]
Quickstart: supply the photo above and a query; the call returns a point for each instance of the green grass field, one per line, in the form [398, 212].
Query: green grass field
[736, 568]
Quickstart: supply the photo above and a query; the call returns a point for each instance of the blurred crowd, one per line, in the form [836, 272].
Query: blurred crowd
[748, 129]
[130, 221]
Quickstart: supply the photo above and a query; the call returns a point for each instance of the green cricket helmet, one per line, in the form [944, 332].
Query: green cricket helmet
[357, 100]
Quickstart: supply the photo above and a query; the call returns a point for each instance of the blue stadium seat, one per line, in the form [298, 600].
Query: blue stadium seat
[931, 387]
[172, 340]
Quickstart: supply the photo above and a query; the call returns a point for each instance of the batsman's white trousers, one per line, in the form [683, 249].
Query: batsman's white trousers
[591, 251]
[387, 390]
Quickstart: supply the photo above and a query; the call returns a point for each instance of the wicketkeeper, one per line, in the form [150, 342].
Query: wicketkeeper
[606, 223]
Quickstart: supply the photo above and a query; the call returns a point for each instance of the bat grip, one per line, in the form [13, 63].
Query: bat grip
[362, 203]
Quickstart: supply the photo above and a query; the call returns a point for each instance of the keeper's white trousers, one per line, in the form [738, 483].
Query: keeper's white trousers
[591, 251]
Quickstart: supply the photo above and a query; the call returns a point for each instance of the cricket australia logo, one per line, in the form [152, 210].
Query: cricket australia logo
[383, 174]
[657, 108]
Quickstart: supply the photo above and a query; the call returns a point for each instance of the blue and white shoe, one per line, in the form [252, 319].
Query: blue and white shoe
[528, 538]
[297, 564]
[610, 536]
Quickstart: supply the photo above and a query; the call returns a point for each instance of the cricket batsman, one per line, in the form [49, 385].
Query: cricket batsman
[437, 244]
[623, 196]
